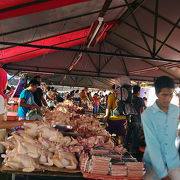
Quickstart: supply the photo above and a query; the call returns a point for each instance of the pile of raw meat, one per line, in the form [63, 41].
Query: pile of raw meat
[109, 165]
[39, 144]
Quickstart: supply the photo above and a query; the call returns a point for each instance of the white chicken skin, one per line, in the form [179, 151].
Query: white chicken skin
[41, 145]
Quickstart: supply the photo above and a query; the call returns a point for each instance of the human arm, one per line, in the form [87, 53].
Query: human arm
[142, 109]
[109, 106]
[153, 147]
[49, 97]
[44, 101]
[107, 111]
[142, 106]
[81, 97]
[23, 104]
[10, 124]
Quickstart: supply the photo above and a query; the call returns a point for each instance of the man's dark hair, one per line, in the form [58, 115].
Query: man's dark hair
[37, 77]
[113, 86]
[136, 89]
[163, 82]
[77, 91]
[34, 82]
[144, 98]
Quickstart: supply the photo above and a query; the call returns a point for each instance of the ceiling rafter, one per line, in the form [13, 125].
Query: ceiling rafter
[134, 6]
[155, 26]
[140, 30]
[102, 81]
[21, 68]
[145, 33]
[87, 51]
[131, 42]
[99, 64]
[49, 37]
[124, 65]
[167, 37]
[108, 60]
[159, 16]
[106, 77]
[59, 20]
[91, 60]
[38, 49]
[101, 15]
[145, 61]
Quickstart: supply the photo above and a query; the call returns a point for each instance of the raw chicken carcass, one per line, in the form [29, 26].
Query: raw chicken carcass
[43, 158]
[14, 165]
[65, 160]
[45, 143]
[24, 162]
[32, 150]
[9, 143]
[73, 142]
[31, 129]
[66, 141]
[51, 134]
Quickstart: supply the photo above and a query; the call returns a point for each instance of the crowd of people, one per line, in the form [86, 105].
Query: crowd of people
[85, 99]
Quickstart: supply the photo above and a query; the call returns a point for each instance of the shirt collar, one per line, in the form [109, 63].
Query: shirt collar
[156, 108]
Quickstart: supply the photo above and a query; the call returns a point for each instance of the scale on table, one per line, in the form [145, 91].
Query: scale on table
[66, 130]
[34, 115]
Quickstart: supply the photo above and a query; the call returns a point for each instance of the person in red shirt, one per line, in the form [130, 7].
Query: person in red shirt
[96, 103]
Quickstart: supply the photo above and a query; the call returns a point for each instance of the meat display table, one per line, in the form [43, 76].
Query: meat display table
[60, 173]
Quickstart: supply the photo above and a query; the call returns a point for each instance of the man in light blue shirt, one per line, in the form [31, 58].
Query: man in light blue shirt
[160, 122]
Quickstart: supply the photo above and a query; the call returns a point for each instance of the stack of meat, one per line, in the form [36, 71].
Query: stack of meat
[39, 144]
[100, 165]
[94, 134]
[94, 164]
[135, 169]
[84, 162]
[84, 124]
[119, 170]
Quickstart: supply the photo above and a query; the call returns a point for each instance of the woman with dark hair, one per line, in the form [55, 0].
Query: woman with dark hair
[115, 125]
[26, 100]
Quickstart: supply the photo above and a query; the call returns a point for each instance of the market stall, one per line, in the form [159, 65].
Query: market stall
[83, 43]
[66, 141]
